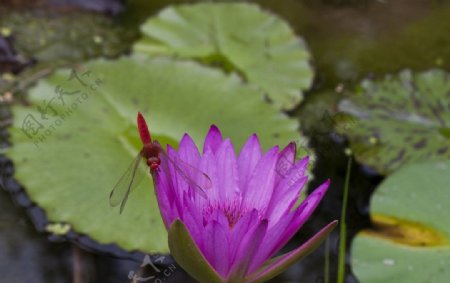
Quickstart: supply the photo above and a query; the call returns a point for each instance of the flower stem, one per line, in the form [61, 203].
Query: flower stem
[343, 226]
[326, 270]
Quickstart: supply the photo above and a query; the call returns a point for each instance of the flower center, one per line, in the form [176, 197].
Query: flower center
[232, 211]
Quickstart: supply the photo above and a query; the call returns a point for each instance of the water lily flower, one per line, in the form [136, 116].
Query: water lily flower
[232, 232]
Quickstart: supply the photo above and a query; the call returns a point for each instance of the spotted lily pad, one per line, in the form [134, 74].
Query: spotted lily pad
[410, 241]
[240, 37]
[69, 156]
[56, 37]
[401, 119]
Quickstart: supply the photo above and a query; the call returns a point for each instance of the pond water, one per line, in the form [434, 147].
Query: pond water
[349, 40]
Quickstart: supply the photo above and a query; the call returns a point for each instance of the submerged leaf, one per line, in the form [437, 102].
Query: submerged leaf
[402, 119]
[55, 37]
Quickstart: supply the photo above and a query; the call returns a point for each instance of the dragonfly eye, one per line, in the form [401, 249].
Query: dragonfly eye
[153, 163]
[154, 166]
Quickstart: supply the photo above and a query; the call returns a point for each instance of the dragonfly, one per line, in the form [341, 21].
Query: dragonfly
[150, 156]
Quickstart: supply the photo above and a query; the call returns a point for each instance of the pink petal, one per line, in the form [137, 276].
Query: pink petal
[208, 165]
[247, 160]
[227, 171]
[188, 151]
[245, 224]
[261, 185]
[281, 263]
[249, 245]
[179, 183]
[290, 185]
[213, 139]
[285, 162]
[273, 235]
[166, 193]
[302, 214]
[281, 233]
[283, 200]
[166, 202]
[192, 218]
[217, 247]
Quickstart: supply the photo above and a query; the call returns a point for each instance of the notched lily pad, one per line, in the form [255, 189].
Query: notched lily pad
[239, 37]
[78, 135]
[410, 241]
[401, 119]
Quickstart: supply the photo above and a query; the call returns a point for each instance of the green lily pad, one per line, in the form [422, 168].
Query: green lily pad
[401, 119]
[410, 241]
[240, 37]
[70, 164]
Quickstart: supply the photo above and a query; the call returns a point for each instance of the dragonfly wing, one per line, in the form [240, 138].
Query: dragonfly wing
[191, 175]
[129, 180]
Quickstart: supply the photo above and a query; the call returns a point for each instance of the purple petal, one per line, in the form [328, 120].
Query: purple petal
[249, 245]
[302, 214]
[186, 252]
[290, 185]
[281, 263]
[273, 235]
[217, 247]
[213, 139]
[281, 233]
[188, 151]
[166, 193]
[286, 161]
[192, 218]
[208, 165]
[245, 224]
[179, 184]
[247, 160]
[295, 172]
[283, 200]
[227, 171]
[260, 188]
[166, 200]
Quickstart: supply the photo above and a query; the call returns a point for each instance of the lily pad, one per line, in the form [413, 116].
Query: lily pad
[401, 119]
[240, 37]
[70, 162]
[410, 241]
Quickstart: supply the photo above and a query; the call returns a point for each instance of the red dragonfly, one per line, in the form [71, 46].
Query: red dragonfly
[150, 155]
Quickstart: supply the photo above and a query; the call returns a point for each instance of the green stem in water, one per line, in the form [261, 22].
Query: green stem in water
[343, 227]
[326, 270]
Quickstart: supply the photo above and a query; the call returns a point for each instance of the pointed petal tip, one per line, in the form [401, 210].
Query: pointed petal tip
[186, 141]
[251, 143]
[213, 138]
[305, 159]
[253, 138]
[291, 146]
[214, 129]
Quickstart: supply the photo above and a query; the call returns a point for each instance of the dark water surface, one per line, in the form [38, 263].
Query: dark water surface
[349, 40]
